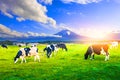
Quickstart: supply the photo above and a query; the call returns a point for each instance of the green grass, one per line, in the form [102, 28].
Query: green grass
[62, 66]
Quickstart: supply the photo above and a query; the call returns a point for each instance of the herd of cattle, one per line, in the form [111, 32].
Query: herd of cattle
[49, 49]
[33, 51]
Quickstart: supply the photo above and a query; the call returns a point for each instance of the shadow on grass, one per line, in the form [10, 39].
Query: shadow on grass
[3, 59]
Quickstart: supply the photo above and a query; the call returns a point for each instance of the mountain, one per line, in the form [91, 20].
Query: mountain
[68, 35]
[63, 35]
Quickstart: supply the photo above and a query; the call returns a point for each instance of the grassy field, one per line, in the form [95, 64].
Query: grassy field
[64, 65]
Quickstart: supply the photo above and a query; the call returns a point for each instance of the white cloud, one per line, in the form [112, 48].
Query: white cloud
[41, 34]
[7, 14]
[24, 9]
[71, 13]
[64, 26]
[6, 32]
[81, 1]
[35, 34]
[54, 36]
[75, 13]
[46, 1]
[20, 19]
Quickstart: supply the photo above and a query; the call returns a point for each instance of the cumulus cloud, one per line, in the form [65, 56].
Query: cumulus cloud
[42, 34]
[71, 13]
[64, 26]
[35, 34]
[81, 1]
[6, 32]
[46, 1]
[20, 19]
[24, 9]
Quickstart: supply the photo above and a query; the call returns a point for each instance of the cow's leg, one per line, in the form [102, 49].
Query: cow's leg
[107, 56]
[52, 54]
[92, 56]
[22, 58]
[102, 51]
[16, 60]
[65, 49]
[48, 54]
[37, 56]
[55, 52]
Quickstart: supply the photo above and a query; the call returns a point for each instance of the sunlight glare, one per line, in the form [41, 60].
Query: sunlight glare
[97, 35]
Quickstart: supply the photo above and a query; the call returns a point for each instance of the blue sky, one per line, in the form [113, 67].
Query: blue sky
[23, 18]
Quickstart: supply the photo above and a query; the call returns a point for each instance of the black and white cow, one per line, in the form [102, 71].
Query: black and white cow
[50, 49]
[4, 46]
[97, 49]
[62, 45]
[24, 52]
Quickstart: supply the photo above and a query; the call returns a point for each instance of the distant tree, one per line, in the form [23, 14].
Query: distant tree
[6, 42]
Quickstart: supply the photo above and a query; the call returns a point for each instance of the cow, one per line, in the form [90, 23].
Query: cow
[62, 45]
[24, 52]
[50, 49]
[97, 49]
[114, 44]
[19, 45]
[4, 46]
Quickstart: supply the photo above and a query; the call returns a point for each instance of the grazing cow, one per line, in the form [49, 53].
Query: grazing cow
[62, 45]
[19, 45]
[54, 47]
[49, 49]
[97, 49]
[4, 46]
[24, 52]
[114, 44]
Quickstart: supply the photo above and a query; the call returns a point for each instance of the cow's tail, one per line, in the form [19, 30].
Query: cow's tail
[18, 55]
[88, 52]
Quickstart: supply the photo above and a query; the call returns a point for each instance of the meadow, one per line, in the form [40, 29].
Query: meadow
[63, 65]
